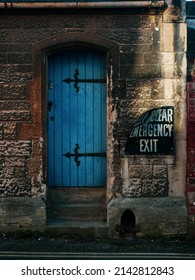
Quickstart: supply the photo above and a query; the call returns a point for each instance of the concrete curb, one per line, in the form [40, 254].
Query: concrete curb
[94, 256]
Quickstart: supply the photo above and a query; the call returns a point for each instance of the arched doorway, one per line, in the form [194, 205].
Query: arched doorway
[76, 133]
[76, 119]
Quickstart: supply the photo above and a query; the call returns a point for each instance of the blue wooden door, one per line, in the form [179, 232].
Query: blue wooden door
[76, 119]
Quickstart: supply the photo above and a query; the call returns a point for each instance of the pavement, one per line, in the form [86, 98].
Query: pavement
[44, 247]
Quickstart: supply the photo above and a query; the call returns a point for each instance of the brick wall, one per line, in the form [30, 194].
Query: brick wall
[191, 157]
[191, 118]
[191, 124]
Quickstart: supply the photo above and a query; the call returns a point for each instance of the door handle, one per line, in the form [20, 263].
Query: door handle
[50, 104]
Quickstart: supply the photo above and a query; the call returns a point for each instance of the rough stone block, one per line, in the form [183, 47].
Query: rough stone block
[136, 48]
[152, 58]
[15, 187]
[174, 43]
[10, 22]
[9, 131]
[15, 148]
[133, 189]
[146, 171]
[116, 21]
[23, 213]
[126, 72]
[151, 89]
[14, 161]
[1, 131]
[6, 172]
[38, 22]
[12, 92]
[140, 171]
[169, 88]
[2, 161]
[131, 58]
[157, 160]
[16, 68]
[177, 178]
[3, 58]
[15, 115]
[85, 20]
[135, 171]
[148, 72]
[128, 36]
[4, 47]
[154, 187]
[20, 172]
[169, 71]
[168, 58]
[175, 69]
[20, 58]
[13, 78]
[62, 21]
[160, 171]
[154, 216]
[6, 105]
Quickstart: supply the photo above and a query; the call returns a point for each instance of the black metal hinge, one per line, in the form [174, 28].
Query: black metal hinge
[76, 155]
[76, 80]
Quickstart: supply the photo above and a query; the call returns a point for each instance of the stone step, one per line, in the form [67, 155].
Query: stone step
[80, 229]
[77, 212]
[76, 195]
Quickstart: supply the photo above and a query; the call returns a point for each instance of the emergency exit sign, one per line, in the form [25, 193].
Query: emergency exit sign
[153, 133]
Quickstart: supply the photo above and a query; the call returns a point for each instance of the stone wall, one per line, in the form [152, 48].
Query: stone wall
[146, 70]
[152, 187]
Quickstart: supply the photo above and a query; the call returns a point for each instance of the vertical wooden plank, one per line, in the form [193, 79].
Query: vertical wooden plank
[103, 124]
[89, 120]
[73, 119]
[103, 165]
[97, 137]
[65, 118]
[82, 118]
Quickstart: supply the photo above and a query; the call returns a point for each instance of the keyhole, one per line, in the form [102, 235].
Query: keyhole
[50, 103]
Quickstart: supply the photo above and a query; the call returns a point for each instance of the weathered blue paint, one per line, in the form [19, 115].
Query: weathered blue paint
[76, 118]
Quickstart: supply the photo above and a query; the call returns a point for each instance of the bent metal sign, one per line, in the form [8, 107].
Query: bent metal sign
[153, 133]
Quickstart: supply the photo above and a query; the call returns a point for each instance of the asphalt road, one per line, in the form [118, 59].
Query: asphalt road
[40, 247]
